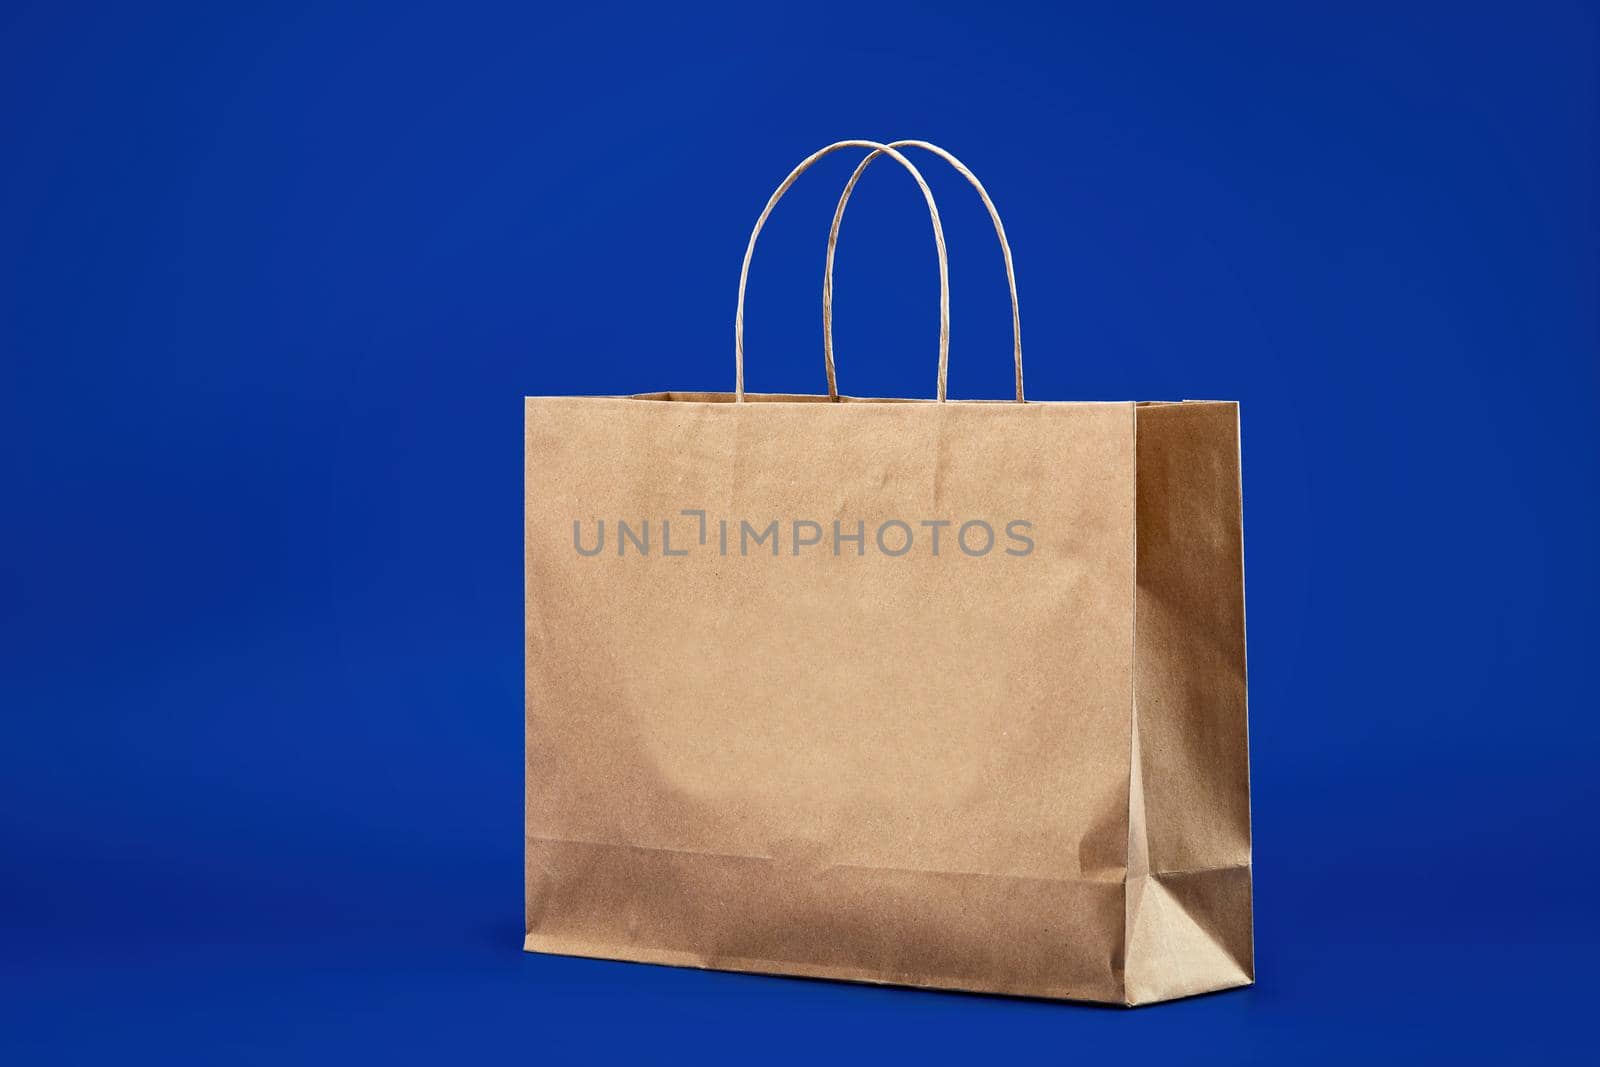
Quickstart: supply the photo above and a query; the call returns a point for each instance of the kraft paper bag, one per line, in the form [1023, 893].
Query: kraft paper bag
[916, 692]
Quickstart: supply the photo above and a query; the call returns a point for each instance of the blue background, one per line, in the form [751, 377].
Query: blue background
[273, 282]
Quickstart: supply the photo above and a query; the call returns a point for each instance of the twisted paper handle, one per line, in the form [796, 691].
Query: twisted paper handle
[938, 242]
[833, 240]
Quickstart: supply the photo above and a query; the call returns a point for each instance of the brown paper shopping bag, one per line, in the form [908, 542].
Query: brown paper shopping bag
[928, 693]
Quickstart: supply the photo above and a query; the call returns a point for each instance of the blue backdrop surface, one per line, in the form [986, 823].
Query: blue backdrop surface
[272, 284]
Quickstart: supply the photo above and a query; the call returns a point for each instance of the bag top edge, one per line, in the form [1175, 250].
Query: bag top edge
[717, 399]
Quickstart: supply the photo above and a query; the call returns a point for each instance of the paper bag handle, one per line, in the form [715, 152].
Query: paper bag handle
[833, 240]
[938, 242]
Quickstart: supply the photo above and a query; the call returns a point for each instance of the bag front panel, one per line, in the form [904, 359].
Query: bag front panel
[834, 689]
